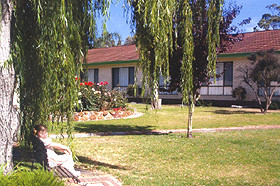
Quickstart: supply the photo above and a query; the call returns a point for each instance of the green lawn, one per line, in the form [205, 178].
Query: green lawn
[224, 158]
[249, 157]
[175, 117]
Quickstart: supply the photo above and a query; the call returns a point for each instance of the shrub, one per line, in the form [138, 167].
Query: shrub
[239, 93]
[96, 97]
[37, 177]
[203, 103]
[130, 90]
[275, 105]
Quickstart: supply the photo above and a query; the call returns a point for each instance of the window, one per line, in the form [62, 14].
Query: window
[228, 74]
[224, 81]
[122, 77]
[164, 88]
[273, 84]
[93, 75]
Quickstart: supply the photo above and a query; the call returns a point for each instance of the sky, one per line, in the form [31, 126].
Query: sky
[250, 8]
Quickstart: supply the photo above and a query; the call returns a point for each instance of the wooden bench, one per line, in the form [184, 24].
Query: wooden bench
[40, 155]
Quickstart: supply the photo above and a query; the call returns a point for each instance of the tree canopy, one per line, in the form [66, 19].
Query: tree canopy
[165, 35]
[130, 40]
[263, 76]
[50, 41]
[106, 40]
[271, 21]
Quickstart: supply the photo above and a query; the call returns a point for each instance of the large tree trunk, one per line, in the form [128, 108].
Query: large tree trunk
[9, 121]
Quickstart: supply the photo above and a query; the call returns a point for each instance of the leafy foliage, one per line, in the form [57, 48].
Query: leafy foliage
[107, 40]
[153, 23]
[270, 20]
[24, 177]
[263, 76]
[239, 93]
[131, 90]
[165, 34]
[96, 97]
[50, 41]
[200, 55]
[130, 41]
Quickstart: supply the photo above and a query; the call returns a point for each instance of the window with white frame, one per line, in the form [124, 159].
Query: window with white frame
[224, 81]
[122, 77]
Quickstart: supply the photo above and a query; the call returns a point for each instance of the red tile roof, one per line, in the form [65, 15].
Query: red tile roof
[119, 53]
[257, 41]
[252, 42]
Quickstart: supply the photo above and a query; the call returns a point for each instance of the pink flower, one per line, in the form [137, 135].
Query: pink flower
[106, 83]
[101, 83]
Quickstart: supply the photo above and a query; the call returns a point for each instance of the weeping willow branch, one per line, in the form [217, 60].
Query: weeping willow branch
[49, 45]
[172, 33]
[214, 15]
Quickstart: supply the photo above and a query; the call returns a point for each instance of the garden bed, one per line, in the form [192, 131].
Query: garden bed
[102, 115]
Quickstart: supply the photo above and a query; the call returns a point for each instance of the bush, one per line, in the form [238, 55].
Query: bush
[37, 177]
[239, 93]
[203, 103]
[96, 97]
[275, 105]
[130, 90]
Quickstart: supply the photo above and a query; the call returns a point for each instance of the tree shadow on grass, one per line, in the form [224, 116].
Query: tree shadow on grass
[93, 128]
[24, 158]
[88, 161]
[228, 112]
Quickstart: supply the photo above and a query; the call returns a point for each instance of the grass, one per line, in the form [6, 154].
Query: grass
[175, 117]
[226, 158]
[222, 158]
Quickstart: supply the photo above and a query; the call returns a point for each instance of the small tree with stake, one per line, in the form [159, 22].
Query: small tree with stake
[263, 77]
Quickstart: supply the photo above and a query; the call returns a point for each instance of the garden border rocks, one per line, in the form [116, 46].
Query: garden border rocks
[102, 115]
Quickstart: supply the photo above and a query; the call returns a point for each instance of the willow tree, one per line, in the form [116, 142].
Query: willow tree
[164, 31]
[49, 42]
[153, 23]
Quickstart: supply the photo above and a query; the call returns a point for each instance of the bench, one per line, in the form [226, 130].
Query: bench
[40, 155]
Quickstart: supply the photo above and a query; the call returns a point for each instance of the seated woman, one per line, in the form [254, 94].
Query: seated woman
[65, 160]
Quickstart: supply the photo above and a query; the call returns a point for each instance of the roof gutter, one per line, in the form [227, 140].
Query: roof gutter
[110, 63]
[245, 54]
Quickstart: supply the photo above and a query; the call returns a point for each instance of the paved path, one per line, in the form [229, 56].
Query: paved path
[89, 178]
[155, 132]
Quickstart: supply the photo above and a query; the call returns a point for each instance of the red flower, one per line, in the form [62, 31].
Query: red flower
[101, 83]
[81, 84]
[90, 83]
[86, 83]
[76, 77]
[106, 83]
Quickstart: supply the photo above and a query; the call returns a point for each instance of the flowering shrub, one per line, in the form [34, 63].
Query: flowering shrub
[96, 97]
